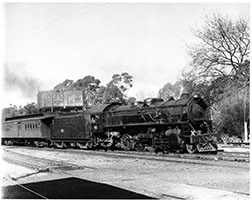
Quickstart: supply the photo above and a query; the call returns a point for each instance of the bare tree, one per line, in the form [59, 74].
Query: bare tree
[220, 70]
[223, 50]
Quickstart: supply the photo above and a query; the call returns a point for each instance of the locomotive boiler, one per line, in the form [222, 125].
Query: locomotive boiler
[173, 125]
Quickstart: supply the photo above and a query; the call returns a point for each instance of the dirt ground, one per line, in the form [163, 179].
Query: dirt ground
[165, 180]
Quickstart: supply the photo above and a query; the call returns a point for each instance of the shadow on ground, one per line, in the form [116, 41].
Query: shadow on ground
[68, 188]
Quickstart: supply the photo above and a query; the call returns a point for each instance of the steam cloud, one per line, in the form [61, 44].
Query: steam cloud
[15, 78]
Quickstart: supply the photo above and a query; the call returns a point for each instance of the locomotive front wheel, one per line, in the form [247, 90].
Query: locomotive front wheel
[190, 148]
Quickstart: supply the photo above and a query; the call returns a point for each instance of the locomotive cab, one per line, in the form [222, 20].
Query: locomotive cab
[96, 121]
[97, 118]
[197, 108]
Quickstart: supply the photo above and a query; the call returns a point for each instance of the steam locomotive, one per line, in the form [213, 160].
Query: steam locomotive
[155, 125]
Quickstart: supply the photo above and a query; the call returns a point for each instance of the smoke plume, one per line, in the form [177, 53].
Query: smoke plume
[16, 78]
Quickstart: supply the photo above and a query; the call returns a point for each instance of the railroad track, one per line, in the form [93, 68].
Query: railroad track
[43, 164]
[186, 158]
[38, 165]
[236, 156]
[232, 159]
[228, 156]
[64, 167]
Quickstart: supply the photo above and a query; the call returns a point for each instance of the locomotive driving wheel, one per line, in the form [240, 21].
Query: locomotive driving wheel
[139, 147]
[126, 142]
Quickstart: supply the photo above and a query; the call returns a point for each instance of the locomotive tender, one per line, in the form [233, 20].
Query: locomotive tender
[173, 125]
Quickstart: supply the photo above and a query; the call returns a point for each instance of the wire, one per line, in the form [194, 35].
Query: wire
[50, 25]
[82, 14]
[51, 21]
[20, 21]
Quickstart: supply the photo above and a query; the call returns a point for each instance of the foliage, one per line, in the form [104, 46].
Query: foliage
[230, 113]
[93, 93]
[211, 92]
[96, 94]
[117, 87]
[10, 112]
[13, 110]
[89, 83]
[170, 90]
[31, 108]
[112, 93]
[86, 83]
[90, 86]
[99, 95]
[219, 71]
[123, 81]
[65, 85]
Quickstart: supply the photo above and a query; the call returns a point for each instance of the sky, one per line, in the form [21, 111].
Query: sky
[47, 43]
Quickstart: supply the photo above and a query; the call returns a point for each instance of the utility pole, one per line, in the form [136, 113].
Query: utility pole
[244, 117]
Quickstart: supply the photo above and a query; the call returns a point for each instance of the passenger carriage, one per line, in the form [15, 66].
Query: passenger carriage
[27, 129]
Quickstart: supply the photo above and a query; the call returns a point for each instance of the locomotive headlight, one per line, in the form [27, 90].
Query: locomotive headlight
[95, 127]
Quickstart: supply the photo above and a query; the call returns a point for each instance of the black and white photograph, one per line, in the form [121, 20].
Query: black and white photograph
[125, 100]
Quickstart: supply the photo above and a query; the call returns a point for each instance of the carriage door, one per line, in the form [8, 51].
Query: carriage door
[18, 128]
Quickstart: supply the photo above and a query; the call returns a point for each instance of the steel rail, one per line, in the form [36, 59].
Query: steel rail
[212, 160]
